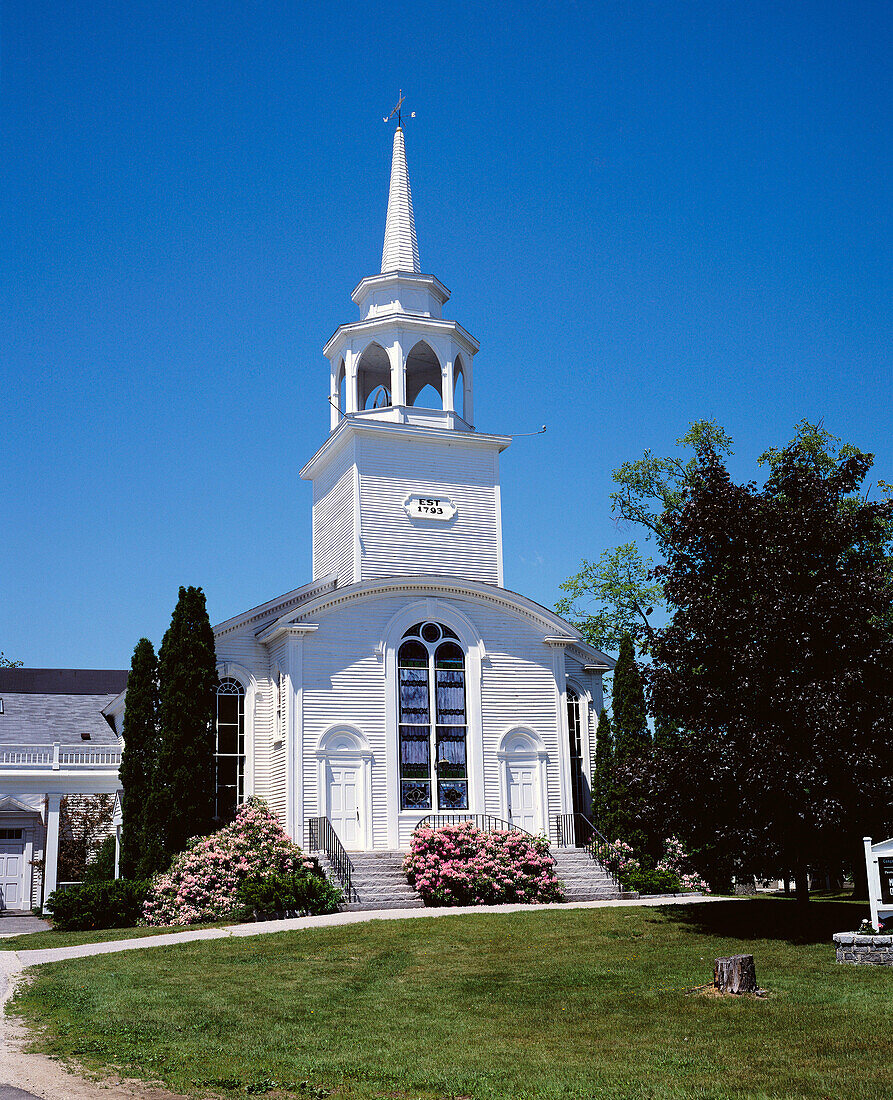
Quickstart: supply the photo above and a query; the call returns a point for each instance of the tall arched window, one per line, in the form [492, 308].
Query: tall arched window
[229, 748]
[432, 718]
[575, 736]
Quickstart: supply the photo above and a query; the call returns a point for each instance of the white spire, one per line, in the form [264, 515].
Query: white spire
[401, 249]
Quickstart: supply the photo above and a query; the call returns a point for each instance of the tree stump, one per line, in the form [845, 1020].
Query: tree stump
[735, 974]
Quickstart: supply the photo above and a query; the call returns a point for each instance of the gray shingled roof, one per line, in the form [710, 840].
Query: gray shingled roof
[63, 681]
[43, 719]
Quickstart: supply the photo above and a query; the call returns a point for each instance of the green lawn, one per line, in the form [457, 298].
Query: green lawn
[552, 1004]
[37, 941]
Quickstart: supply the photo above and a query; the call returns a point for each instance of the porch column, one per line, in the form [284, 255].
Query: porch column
[51, 847]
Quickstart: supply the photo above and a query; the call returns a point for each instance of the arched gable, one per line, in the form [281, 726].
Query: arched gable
[432, 610]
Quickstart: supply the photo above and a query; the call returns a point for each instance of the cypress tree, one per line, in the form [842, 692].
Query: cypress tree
[602, 776]
[631, 735]
[187, 675]
[140, 756]
[628, 818]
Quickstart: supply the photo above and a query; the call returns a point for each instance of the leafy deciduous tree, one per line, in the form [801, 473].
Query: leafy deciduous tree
[779, 658]
[612, 597]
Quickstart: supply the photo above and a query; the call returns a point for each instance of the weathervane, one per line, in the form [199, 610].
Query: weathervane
[396, 111]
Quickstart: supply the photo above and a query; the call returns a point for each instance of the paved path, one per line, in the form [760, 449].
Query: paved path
[15, 924]
[48, 1080]
[299, 924]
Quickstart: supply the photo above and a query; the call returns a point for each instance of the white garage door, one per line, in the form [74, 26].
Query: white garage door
[12, 870]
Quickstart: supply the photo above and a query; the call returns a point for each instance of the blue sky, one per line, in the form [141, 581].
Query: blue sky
[648, 213]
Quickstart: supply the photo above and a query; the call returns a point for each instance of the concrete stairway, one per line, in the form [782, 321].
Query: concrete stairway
[584, 878]
[380, 883]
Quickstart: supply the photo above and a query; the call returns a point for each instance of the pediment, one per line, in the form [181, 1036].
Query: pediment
[10, 805]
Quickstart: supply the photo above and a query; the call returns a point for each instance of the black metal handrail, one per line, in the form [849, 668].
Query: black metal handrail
[321, 837]
[485, 822]
[577, 831]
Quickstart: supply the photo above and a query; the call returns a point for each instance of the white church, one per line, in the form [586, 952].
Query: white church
[405, 681]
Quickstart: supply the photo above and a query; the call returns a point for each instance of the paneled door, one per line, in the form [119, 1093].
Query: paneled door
[344, 804]
[523, 792]
[12, 874]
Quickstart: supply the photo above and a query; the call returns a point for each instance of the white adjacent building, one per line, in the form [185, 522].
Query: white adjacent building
[405, 680]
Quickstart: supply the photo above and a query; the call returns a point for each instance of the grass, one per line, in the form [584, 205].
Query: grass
[552, 1005]
[38, 941]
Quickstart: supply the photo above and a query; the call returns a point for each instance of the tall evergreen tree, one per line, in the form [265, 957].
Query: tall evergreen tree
[631, 735]
[627, 799]
[139, 759]
[602, 777]
[187, 674]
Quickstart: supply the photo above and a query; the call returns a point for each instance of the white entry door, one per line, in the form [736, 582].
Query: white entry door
[12, 874]
[523, 792]
[344, 804]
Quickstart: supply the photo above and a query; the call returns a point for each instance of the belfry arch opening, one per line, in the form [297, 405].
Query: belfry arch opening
[374, 378]
[423, 378]
[341, 389]
[459, 387]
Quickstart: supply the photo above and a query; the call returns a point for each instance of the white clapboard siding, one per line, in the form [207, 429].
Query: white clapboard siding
[333, 519]
[392, 544]
[517, 689]
[344, 684]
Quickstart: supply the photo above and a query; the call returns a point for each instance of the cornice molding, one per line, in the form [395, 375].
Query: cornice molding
[412, 321]
[275, 608]
[349, 426]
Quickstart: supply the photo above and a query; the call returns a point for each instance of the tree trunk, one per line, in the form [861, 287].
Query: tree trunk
[860, 875]
[735, 974]
[801, 879]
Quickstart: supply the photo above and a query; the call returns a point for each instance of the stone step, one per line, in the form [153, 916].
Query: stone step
[360, 907]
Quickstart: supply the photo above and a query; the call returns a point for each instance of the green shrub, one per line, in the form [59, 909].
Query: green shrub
[102, 867]
[117, 904]
[304, 892]
[648, 881]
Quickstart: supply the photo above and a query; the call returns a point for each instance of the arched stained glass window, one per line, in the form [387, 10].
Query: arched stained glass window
[229, 748]
[433, 757]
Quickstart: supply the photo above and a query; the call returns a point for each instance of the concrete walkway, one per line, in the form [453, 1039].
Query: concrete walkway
[18, 924]
[45, 1079]
[300, 924]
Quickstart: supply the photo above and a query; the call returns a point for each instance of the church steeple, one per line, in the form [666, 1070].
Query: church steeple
[402, 362]
[404, 484]
[401, 249]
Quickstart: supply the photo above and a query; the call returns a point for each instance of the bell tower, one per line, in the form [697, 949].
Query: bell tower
[404, 485]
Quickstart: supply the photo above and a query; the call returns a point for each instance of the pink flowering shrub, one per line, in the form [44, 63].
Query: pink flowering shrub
[203, 881]
[677, 862]
[460, 865]
[671, 874]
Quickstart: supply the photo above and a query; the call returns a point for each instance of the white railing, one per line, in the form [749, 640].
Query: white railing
[55, 756]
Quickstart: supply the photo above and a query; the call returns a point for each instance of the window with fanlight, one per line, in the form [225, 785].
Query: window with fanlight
[229, 748]
[432, 719]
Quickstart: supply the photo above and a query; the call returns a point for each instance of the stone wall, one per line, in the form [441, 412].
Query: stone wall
[855, 948]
